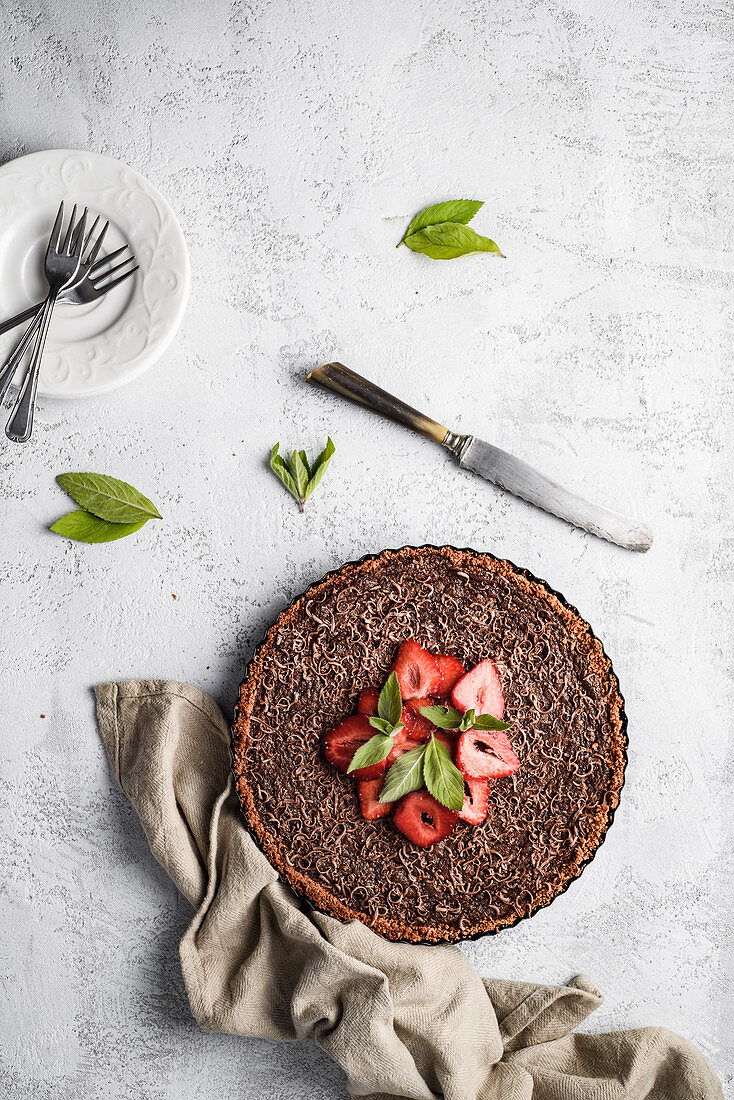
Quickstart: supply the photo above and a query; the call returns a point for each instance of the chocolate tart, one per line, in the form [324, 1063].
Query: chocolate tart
[544, 823]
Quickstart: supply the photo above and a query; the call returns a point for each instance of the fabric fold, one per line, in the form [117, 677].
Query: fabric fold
[401, 1020]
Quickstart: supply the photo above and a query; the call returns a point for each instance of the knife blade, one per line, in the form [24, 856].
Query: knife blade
[490, 462]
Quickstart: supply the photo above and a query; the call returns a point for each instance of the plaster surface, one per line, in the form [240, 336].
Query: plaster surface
[295, 141]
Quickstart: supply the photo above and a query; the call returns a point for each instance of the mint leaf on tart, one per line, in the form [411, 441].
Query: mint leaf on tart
[108, 497]
[405, 775]
[390, 702]
[447, 240]
[446, 718]
[298, 475]
[372, 752]
[442, 778]
[488, 722]
[385, 727]
[82, 526]
[455, 210]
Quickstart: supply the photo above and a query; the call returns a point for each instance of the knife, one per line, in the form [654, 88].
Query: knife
[488, 461]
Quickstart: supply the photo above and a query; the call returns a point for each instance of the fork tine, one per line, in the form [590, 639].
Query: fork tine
[113, 271]
[91, 256]
[117, 281]
[76, 248]
[96, 268]
[68, 238]
[55, 238]
[89, 234]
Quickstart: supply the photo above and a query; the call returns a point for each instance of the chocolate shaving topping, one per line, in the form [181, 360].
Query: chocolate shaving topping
[544, 822]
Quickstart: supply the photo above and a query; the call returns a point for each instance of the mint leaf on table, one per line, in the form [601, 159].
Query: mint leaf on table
[108, 497]
[442, 778]
[405, 775]
[299, 472]
[447, 240]
[319, 467]
[298, 475]
[455, 210]
[375, 750]
[85, 527]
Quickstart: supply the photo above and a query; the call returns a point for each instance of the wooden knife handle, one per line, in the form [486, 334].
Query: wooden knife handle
[340, 379]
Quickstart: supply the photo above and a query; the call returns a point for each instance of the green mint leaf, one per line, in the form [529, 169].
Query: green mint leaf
[405, 775]
[319, 467]
[279, 468]
[380, 724]
[442, 777]
[467, 720]
[446, 718]
[449, 240]
[108, 497]
[299, 473]
[456, 210]
[488, 722]
[304, 460]
[84, 527]
[390, 703]
[372, 752]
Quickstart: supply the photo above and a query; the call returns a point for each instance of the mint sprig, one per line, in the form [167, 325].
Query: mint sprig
[441, 231]
[459, 211]
[446, 718]
[298, 475]
[387, 721]
[110, 508]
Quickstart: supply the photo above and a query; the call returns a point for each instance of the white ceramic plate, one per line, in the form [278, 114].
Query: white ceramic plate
[96, 347]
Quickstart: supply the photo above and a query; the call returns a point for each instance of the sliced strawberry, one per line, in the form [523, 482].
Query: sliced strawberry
[417, 672]
[485, 754]
[480, 690]
[451, 671]
[369, 793]
[418, 726]
[341, 743]
[476, 800]
[447, 738]
[368, 702]
[422, 819]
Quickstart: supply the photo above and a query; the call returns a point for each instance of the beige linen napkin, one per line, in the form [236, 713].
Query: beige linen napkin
[401, 1020]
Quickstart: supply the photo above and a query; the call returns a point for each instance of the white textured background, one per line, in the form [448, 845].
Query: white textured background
[294, 140]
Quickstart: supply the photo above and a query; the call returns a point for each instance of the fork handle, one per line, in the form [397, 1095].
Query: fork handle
[11, 363]
[20, 424]
[25, 315]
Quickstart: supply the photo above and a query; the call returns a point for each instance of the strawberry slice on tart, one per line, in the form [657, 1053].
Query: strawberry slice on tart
[480, 690]
[341, 743]
[367, 703]
[369, 804]
[418, 726]
[451, 671]
[485, 754]
[476, 800]
[422, 819]
[417, 671]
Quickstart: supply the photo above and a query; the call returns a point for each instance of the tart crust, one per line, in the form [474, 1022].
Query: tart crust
[544, 823]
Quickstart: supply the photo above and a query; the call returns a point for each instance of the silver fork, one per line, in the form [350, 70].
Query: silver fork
[95, 283]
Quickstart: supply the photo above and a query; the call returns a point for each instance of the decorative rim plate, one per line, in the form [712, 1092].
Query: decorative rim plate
[303, 898]
[97, 347]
